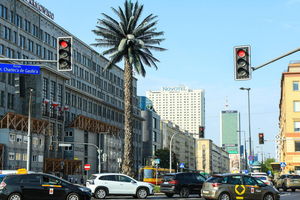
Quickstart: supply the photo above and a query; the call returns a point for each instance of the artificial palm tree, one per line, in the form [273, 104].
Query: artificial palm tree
[131, 39]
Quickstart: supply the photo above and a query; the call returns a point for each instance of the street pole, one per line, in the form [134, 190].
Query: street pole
[249, 120]
[171, 151]
[28, 164]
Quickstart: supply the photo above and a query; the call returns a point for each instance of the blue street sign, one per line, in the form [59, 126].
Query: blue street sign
[157, 161]
[181, 165]
[19, 69]
[282, 164]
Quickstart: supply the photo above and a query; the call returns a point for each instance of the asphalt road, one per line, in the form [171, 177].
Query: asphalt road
[283, 196]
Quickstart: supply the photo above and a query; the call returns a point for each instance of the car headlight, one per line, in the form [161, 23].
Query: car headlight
[84, 189]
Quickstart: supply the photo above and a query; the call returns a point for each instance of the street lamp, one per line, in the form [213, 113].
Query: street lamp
[68, 144]
[171, 150]
[250, 146]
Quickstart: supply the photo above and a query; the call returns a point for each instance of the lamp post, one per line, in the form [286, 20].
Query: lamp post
[28, 164]
[250, 146]
[171, 150]
[65, 144]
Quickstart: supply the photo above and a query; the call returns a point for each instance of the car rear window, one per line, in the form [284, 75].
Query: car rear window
[215, 179]
[294, 176]
[93, 177]
[168, 177]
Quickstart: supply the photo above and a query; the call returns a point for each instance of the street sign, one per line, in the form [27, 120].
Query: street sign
[19, 69]
[282, 164]
[251, 158]
[181, 165]
[157, 161]
[87, 167]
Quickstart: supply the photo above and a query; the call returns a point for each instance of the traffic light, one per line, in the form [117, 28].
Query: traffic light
[64, 53]
[261, 138]
[242, 64]
[201, 131]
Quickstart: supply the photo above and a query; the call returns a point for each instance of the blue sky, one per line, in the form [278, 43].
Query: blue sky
[200, 36]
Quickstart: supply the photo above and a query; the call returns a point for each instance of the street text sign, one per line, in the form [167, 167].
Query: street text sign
[19, 69]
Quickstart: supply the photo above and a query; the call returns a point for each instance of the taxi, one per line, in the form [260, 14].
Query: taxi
[37, 186]
[238, 186]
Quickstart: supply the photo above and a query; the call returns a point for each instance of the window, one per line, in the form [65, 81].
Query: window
[47, 180]
[69, 148]
[249, 180]
[34, 158]
[31, 179]
[11, 156]
[124, 179]
[297, 146]
[18, 156]
[234, 180]
[108, 178]
[296, 106]
[12, 137]
[297, 126]
[19, 138]
[295, 86]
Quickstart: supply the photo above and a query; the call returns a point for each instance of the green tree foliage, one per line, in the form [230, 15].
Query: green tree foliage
[164, 156]
[266, 166]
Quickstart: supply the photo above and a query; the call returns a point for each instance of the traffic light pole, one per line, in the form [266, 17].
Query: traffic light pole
[275, 59]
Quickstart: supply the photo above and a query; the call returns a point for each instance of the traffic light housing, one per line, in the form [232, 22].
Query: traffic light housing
[201, 131]
[261, 138]
[242, 63]
[64, 53]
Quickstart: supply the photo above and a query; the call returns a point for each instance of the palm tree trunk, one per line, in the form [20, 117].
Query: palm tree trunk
[127, 166]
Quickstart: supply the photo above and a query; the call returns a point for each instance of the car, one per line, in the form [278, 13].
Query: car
[265, 179]
[105, 184]
[182, 183]
[288, 181]
[2, 177]
[37, 186]
[238, 186]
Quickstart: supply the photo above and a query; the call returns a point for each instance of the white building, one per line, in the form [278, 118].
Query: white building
[181, 105]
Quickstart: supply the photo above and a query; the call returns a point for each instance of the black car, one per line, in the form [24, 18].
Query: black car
[184, 184]
[40, 186]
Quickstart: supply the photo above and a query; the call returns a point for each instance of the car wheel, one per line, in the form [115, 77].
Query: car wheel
[73, 196]
[224, 196]
[284, 188]
[268, 197]
[100, 193]
[184, 192]
[142, 193]
[15, 196]
[169, 195]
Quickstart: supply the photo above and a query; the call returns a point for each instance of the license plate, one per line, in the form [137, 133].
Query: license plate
[166, 182]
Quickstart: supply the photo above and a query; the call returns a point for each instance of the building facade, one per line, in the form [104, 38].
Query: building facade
[289, 119]
[82, 106]
[183, 143]
[230, 137]
[181, 105]
[211, 159]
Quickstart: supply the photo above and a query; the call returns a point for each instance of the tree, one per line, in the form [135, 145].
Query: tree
[164, 156]
[266, 166]
[131, 41]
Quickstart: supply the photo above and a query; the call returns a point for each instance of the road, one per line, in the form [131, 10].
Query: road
[283, 196]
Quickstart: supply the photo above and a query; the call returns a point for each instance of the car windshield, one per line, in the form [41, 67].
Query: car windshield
[263, 178]
[169, 177]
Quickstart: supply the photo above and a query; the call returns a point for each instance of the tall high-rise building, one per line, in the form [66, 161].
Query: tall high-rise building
[230, 136]
[181, 105]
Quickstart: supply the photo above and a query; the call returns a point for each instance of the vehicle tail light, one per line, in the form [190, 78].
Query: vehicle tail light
[2, 185]
[216, 184]
[173, 182]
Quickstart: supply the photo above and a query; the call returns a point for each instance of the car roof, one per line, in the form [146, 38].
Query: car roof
[229, 174]
[105, 174]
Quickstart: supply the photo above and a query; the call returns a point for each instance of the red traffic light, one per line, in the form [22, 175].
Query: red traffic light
[261, 135]
[63, 44]
[241, 53]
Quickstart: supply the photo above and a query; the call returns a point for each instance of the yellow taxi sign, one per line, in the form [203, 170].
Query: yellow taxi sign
[21, 171]
[240, 192]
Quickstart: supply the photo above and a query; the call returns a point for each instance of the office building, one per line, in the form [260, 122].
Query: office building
[85, 105]
[289, 119]
[183, 106]
[230, 137]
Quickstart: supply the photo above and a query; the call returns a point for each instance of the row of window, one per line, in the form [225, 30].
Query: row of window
[23, 157]
[23, 139]
[10, 100]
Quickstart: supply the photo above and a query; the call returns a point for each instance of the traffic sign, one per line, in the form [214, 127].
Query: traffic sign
[181, 165]
[19, 69]
[87, 167]
[282, 164]
[251, 158]
[157, 161]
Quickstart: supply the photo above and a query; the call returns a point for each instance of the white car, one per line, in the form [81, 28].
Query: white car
[105, 184]
[265, 179]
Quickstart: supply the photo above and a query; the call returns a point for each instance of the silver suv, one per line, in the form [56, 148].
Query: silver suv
[106, 184]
